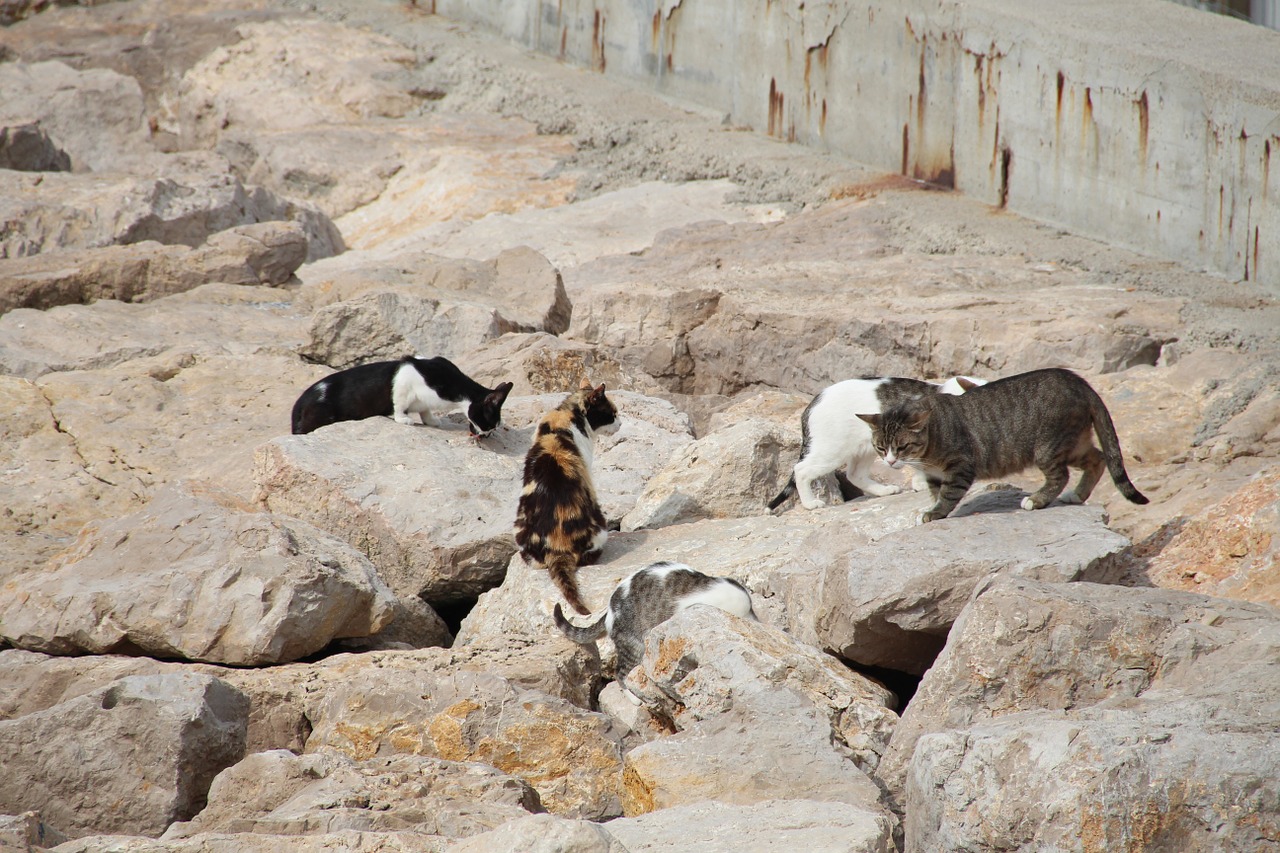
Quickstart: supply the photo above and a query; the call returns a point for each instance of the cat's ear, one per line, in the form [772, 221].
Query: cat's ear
[584, 385]
[599, 392]
[498, 395]
[966, 383]
[873, 420]
[918, 420]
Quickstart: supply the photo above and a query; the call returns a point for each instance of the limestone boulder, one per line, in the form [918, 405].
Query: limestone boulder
[784, 824]
[212, 319]
[180, 200]
[266, 253]
[720, 308]
[728, 474]
[130, 758]
[1232, 550]
[429, 305]
[542, 834]
[791, 757]
[620, 221]
[541, 363]
[96, 115]
[891, 603]
[25, 146]
[1106, 713]
[571, 757]
[433, 508]
[778, 558]
[703, 662]
[285, 75]
[198, 576]
[279, 793]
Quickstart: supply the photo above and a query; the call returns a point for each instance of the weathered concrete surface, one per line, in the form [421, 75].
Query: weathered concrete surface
[1047, 110]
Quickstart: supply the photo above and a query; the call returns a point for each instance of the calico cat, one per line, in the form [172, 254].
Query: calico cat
[833, 439]
[649, 596]
[1044, 418]
[558, 521]
[399, 389]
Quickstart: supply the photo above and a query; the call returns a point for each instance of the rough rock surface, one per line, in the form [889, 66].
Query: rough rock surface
[892, 603]
[570, 756]
[441, 181]
[129, 758]
[1103, 712]
[198, 577]
[428, 305]
[702, 663]
[279, 793]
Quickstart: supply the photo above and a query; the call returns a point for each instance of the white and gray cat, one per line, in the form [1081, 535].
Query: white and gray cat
[648, 597]
[834, 439]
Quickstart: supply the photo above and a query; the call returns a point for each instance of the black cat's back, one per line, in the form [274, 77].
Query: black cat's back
[352, 394]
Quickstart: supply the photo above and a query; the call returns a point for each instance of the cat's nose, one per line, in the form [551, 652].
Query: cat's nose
[891, 459]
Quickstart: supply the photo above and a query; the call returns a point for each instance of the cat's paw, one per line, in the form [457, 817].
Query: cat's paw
[932, 516]
[1030, 503]
[816, 503]
[404, 419]
[1070, 497]
[878, 490]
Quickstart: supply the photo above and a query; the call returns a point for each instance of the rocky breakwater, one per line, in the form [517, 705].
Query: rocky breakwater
[216, 635]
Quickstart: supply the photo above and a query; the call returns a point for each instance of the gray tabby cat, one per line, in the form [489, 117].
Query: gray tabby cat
[648, 597]
[1045, 418]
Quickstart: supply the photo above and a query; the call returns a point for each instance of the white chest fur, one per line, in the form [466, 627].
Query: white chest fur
[410, 393]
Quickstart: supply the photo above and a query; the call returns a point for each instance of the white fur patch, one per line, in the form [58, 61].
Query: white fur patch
[410, 393]
[727, 596]
[322, 390]
[586, 446]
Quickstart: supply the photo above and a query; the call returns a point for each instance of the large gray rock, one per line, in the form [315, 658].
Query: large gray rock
[1081, 717]
[433, 508]
[182, 200]
[131, 758]
[215, 318]
[571, 757]
[791, 756]
[891, 603]
[196, 576]
[542, 834]
[26, 147]
[702, 663]
[542, 363]
[286, 75]
[781, 314]
[430, 305]
[785, 824]
[96, 115]
[247, 842]
[731, 473]
[266, 253]
[279, 793]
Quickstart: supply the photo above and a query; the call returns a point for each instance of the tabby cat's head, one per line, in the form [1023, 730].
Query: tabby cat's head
[900, 435]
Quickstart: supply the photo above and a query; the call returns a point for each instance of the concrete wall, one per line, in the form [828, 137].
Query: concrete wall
[1143, 123]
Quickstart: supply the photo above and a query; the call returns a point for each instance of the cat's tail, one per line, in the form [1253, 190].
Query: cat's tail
[587, 634]
[1110, 442]
[563, 570]
[787, 491]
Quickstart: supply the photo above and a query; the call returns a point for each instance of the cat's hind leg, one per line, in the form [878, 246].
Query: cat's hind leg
[1055, 480]
[1093, 465]
[858, 470]
[806, 471]
[630, 651]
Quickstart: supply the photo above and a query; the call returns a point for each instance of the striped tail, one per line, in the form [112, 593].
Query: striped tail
[563, 570]
[787, 491]
[1110, 442]
[584, 635]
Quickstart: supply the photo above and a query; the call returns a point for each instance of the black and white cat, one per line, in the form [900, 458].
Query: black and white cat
[399, 389]
[648, 597]
[834, 439]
